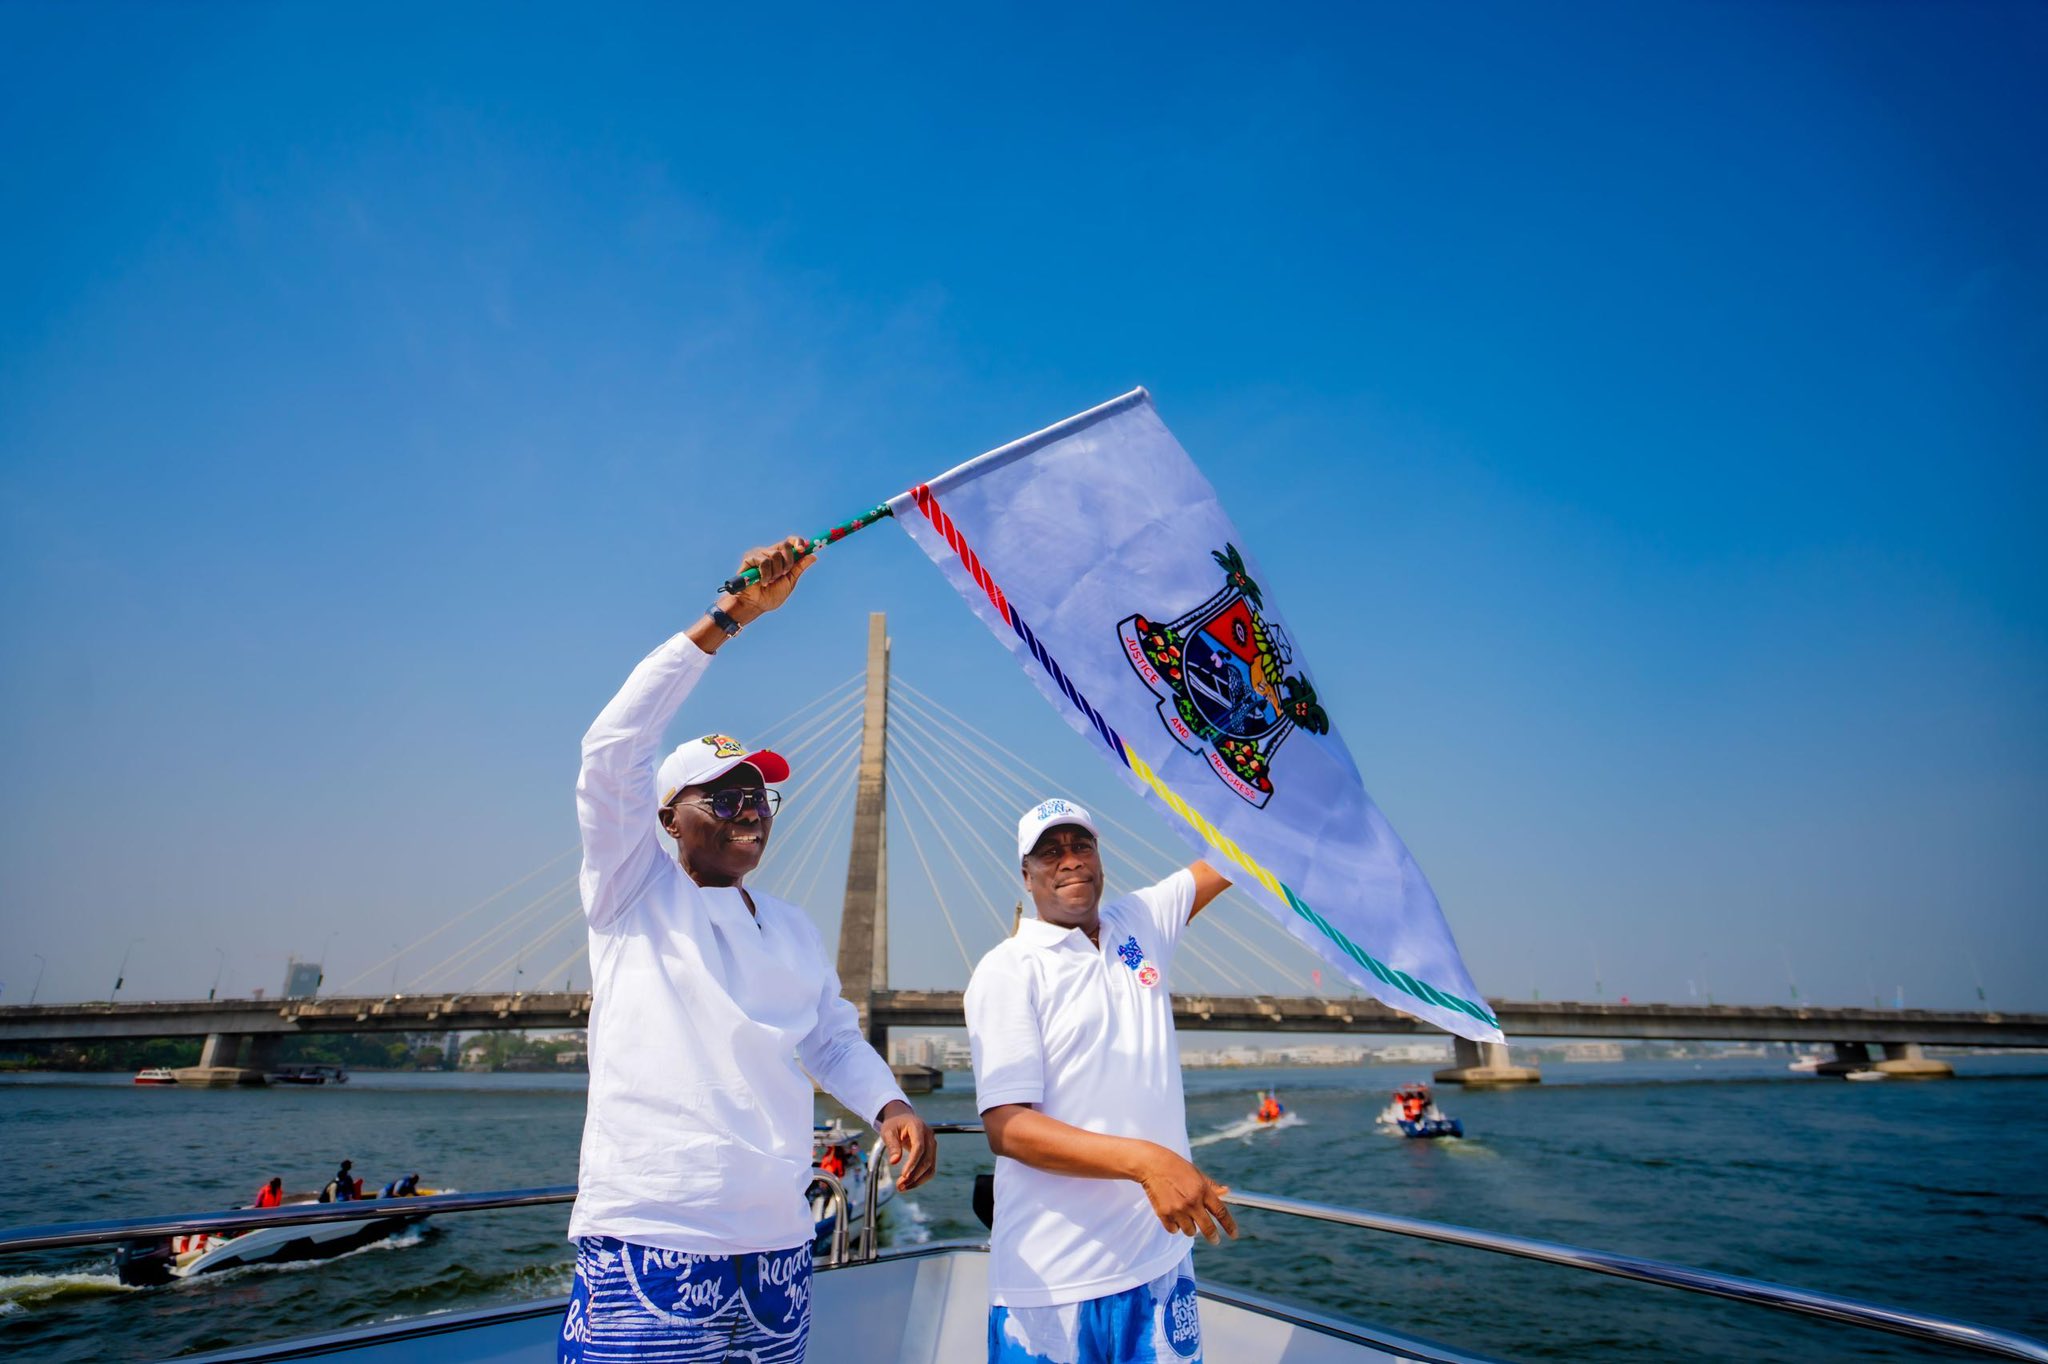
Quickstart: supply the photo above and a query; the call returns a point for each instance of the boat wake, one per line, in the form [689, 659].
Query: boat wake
[1244, 1129]
[913, 1228]
[19, 1292]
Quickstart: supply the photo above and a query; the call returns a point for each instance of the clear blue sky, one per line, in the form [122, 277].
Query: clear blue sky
[1640, 409]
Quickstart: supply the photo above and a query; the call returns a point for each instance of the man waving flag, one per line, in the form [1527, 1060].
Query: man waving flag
[1099, 554]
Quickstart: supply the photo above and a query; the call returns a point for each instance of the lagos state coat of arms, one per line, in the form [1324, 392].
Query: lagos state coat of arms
[1220, 673]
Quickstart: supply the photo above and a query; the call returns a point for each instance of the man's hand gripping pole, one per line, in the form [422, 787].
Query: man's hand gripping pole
[748, 577]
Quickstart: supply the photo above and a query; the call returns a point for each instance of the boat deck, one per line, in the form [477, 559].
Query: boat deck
[923, 1306]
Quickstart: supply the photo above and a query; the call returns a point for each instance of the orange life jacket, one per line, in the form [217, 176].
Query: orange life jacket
[266, 1197]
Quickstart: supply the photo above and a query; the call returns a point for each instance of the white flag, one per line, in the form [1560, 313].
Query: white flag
[1099, 554]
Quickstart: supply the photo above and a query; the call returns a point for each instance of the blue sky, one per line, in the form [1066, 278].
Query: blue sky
[1638, 408]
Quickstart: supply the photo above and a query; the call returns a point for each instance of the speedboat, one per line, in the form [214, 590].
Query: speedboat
[833, 1139]
[1864, 1075]
[1413, 1113]
[1807, 1065]
[1266, 1117]
[148, 1262]
[155, 1075]
[309, 1075]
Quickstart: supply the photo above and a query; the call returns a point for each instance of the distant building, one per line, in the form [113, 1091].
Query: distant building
[1413, 1054]
[914, 1049]
[301, 979]
[1590, 1051]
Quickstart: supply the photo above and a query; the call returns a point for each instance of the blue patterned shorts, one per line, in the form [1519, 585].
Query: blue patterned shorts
[1154, 1323]
[638, 1303]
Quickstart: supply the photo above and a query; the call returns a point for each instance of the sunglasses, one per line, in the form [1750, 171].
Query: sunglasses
[728, 804]
[1049, 854]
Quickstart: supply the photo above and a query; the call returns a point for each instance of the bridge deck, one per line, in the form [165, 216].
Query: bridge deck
[487, 1011]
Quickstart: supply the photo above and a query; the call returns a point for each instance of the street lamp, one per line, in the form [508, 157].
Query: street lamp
[39, 976]
[218, 967]
[121, 974]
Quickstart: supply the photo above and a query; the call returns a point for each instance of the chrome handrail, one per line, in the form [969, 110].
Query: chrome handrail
[870, 1246]
[835, 1202]
[1924, 1326]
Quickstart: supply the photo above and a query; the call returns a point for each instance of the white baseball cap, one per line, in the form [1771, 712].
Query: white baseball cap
[709, 757]
[1049, 814]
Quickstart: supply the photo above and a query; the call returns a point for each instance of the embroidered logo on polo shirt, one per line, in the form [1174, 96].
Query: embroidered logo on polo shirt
[1133, 956]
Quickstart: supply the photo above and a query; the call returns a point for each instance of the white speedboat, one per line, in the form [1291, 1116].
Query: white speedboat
[1412, 1112]
[155, 1075]
[1807, 1065]
[851, 1168]
[144, 1263]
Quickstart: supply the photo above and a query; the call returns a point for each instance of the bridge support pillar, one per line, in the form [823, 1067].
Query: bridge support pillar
[220, 1064]
[1485, 1063]
[1849, 1056]
[1905, 1060]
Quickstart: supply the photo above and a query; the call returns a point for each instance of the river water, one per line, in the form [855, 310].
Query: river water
[1929, 1195]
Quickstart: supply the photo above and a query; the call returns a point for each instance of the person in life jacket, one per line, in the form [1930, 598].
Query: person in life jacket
[833, 1163]
[344, 1187]
[271, 1195]
[408, 1187]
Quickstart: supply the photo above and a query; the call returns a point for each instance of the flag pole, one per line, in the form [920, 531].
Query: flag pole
[748, 577]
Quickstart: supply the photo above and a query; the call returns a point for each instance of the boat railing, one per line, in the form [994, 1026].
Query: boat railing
[1949, 1331]
[836, 1207]
[1963, 1335]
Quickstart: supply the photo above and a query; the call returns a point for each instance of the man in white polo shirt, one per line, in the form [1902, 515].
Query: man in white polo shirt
[709, 1002]
[1077, 1076]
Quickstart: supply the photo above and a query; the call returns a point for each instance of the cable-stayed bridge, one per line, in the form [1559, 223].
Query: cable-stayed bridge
[495, 964]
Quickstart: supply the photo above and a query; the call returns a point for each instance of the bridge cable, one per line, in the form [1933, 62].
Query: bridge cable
[518, 958]
[914, 745]
[823, 726]
[914, 738]
[830, 692]
[911, 710]
[423, 941]
[917, 771]
[496, 933]
[817, 821]
[821, 782]
[918, 848]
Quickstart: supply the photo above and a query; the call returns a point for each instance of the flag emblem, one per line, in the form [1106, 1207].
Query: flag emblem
[1220, 673]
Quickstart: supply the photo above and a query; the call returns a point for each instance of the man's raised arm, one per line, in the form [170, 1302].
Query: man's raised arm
[616, 802]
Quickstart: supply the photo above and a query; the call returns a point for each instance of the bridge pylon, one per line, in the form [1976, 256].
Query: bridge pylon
[864, 913]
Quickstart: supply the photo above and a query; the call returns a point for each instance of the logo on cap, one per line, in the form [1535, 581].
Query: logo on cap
[724, 745]
[1051, 808]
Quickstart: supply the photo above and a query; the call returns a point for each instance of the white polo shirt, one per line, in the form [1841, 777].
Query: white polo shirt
[1084, 1035]
[703, 1018]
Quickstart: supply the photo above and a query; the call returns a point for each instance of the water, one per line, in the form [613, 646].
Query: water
[1927, 1195]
